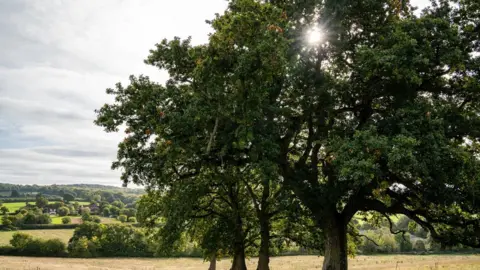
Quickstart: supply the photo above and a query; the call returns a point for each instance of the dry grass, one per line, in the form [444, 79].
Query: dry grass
[62, 234]
[279, 263]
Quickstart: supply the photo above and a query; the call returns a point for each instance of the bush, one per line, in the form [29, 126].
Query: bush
[96, 219]
[85, 210]
[20, 240]
[106, 212]
[8, 251]
[404, 244]
[121, 240]
[44, 219]
[86, 217]
[47, 226]
[83, 248]
[66, 220]
[132, 220]
[53, 247]
[122, 218]
[419, 245]
[63, 211]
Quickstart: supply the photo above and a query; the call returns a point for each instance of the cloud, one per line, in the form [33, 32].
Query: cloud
[56, 59]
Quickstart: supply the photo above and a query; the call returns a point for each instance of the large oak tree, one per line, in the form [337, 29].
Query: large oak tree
[380, 114]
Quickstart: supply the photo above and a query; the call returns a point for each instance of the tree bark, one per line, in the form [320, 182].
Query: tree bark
[239, 246]
[264, 254]
[239, 259]
[335, 230]
[213, 262]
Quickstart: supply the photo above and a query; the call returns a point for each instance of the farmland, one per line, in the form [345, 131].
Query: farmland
[14, 206]
[78, 220]
[279, 263]
[62, 234]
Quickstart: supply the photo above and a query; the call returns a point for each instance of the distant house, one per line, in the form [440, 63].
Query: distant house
[94, 208]
[52, 211]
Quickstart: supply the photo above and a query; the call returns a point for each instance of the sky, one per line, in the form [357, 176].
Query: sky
[57, 57]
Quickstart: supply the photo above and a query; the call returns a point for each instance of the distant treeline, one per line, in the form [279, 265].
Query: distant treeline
[87, 192]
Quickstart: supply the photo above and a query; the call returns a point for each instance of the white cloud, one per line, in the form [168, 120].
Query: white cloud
[56, 59]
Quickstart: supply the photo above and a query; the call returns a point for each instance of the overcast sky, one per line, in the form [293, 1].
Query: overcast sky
[57, 57]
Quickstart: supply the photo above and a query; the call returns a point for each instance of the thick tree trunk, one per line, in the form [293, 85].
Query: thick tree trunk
[213, 262]
[264, 254]
[239, 259]
[335, 231]
[239, 247]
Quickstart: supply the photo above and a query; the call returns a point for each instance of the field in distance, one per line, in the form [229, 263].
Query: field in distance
[78, 220]
[14, 206]
[403, 262]
[62, 234]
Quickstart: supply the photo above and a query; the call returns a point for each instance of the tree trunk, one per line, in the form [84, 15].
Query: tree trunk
[264, 254]
[239, 246]
[335, 231]
[239, 259]
[213, 262]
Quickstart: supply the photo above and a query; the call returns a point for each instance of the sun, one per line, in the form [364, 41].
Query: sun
[315, 36]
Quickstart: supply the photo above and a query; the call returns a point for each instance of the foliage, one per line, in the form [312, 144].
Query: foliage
[403, 242]
[83, 247]
[15, 194]
[68, 197]
[132, 220]
[66, 220]
[63, 211]
[381, 116]
[96, 219]
[20, 240]
[122, 218]
[4, 209]
[41, 201]
[86, 217]
[419, 245]
[91, 239]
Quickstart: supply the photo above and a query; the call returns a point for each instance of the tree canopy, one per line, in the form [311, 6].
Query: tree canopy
[380, 114]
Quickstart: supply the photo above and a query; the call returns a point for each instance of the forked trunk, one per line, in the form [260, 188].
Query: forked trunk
[335, 244]
[213, 262]
[264, 254]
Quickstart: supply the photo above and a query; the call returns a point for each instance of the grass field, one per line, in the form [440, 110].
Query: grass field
[279, 263]
[78, 220]
[14, 206]
[63, 234]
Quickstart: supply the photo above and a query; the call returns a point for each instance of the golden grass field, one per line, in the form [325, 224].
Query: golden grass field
[279, 263]
[62, 234]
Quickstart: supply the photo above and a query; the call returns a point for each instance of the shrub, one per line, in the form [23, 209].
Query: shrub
[88, 230]
[63, 211]
[85, 210]
[53, 247]
[86, 217]
[106, 212]
[122, 218]
[121, 240]
[132, 220]
[4, 209]
[66, 220]
[20, 240]
[404, 243]
[96, 219]
[44, 219]
[47, 226]
[6, 221]
[35, 247]
[83, 248]
[419, 245]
